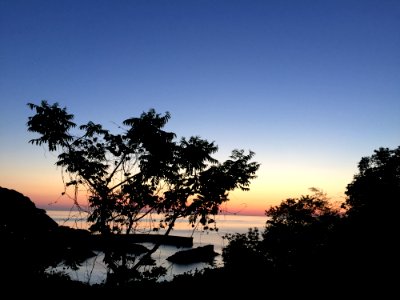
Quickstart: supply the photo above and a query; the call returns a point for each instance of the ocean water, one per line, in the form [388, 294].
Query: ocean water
[94, 270]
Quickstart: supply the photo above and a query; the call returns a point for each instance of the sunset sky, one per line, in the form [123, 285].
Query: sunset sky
[309, 86]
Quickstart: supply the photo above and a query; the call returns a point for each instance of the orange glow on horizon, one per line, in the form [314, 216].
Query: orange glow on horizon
[268, 189]
[254, 202]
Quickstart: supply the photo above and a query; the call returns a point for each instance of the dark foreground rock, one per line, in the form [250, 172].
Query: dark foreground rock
[199, 254]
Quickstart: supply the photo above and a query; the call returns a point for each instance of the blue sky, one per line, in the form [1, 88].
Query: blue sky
[309, 86]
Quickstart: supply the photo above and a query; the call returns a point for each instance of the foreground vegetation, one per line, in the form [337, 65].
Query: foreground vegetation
[140, 171]
[306, 246]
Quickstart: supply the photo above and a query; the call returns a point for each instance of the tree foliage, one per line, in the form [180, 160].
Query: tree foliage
[371, 228]
[377, 183]
[142, 170]
[308, 242]
[295, 234]
[298, 231]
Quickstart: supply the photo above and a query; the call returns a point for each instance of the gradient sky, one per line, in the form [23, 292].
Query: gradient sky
[309, 86]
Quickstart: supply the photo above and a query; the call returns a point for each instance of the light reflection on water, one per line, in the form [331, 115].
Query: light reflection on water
[93, 270]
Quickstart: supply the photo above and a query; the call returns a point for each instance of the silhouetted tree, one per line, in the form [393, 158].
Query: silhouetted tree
[376, 183]
[297, 234]
[307, 244]
[141, 170]
[295, 240]
[370, 232]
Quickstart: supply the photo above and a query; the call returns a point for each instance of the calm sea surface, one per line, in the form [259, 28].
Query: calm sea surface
[94, 271]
